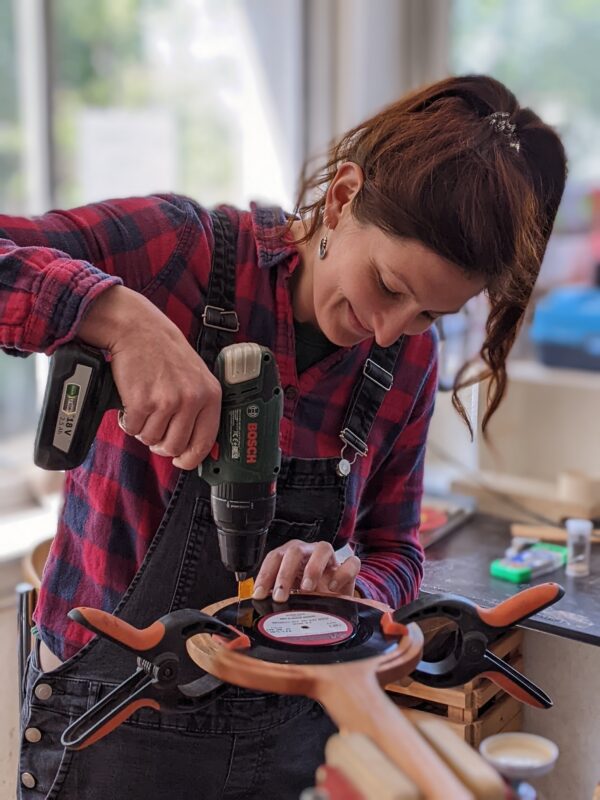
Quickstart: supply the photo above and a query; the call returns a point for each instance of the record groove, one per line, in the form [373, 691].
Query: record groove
[309, 629]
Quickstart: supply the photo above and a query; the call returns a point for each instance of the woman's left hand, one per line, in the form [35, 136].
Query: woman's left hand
[311, 567]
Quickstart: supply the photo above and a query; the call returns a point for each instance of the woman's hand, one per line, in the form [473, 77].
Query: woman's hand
[172, 401]
[311, 567]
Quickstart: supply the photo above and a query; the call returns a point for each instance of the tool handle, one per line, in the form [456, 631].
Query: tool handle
[118, 631]
[109, 713]
[514, 683]
[356, 702]
[170, 631]
[247, 449]
[520, 606]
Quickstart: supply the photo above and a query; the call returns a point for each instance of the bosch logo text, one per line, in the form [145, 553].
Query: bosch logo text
[251, 442]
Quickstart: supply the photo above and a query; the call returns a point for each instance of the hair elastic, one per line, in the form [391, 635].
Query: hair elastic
[500, 122]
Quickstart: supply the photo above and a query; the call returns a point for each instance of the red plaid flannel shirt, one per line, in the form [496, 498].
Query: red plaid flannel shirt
[52, 267]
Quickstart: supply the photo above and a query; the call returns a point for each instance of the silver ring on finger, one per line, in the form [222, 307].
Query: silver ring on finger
[121, 420]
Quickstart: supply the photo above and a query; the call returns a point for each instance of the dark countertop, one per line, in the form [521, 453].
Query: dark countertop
[460, 563]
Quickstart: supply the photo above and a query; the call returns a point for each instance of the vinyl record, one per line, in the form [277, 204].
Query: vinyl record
[309, 629]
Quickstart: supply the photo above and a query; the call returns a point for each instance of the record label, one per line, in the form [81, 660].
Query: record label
[305, 627]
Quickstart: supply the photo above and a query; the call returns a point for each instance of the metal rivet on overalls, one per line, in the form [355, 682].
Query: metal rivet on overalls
[33, 734]
[343, 468]
[28, 780]
[43, 691]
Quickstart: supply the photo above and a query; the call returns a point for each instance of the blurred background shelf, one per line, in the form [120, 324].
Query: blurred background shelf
[530, 371]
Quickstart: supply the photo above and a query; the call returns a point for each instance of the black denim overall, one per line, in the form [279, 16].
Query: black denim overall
[240, 745]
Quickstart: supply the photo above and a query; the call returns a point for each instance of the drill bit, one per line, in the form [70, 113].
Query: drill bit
[245, 589]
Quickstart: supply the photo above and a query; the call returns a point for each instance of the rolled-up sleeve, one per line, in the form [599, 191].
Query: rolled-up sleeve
[52, 267]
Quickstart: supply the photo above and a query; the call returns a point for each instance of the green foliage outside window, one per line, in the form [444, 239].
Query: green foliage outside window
[11, 181]
[546, 51]
[105, 57]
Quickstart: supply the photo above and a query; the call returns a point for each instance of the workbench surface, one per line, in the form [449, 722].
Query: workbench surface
[460, 564]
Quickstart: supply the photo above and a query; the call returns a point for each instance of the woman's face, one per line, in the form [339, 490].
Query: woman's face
[371, 284]
[374, 285]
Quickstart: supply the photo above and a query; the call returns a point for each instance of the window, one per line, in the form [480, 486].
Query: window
[546, 53]
[158, 95]
[11, 182]
[17, 376]
[192, 96]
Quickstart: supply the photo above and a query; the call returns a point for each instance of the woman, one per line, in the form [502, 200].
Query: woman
[449, 192]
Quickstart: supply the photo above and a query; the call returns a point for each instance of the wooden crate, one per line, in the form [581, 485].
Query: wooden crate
[475, 710]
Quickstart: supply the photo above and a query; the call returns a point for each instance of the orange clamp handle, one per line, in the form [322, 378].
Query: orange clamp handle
[115, 721]
[241, 641]
[117, 630]
[390, 627]
[521, 605]
[512, 688]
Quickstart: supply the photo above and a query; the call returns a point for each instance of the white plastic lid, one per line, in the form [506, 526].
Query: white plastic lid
[579, 527]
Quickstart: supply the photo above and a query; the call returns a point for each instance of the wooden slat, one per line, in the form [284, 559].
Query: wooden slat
[460, 714]
[367, 768]
[514, 724]
[473, 771]
[449, 697]
[547, 534]
[505, 714]
[415, 715]
[493, 720]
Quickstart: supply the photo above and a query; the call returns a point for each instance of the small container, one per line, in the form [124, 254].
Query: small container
[579, 544]
[520, 757]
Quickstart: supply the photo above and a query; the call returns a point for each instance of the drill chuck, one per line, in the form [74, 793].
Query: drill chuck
[242, 513]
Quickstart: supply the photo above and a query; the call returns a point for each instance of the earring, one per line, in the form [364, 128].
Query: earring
[323, 248]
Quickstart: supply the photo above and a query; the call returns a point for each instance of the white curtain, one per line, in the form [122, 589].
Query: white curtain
[363, 54]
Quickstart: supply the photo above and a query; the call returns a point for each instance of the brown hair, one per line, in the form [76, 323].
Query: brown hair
[435, 170]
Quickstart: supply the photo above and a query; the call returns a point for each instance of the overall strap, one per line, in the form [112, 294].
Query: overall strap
[219, 320]
[371, 388]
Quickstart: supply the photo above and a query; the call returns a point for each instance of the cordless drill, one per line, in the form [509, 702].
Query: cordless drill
[242, 467]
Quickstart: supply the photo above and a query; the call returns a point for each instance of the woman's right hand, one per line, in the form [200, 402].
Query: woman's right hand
[172, 401]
